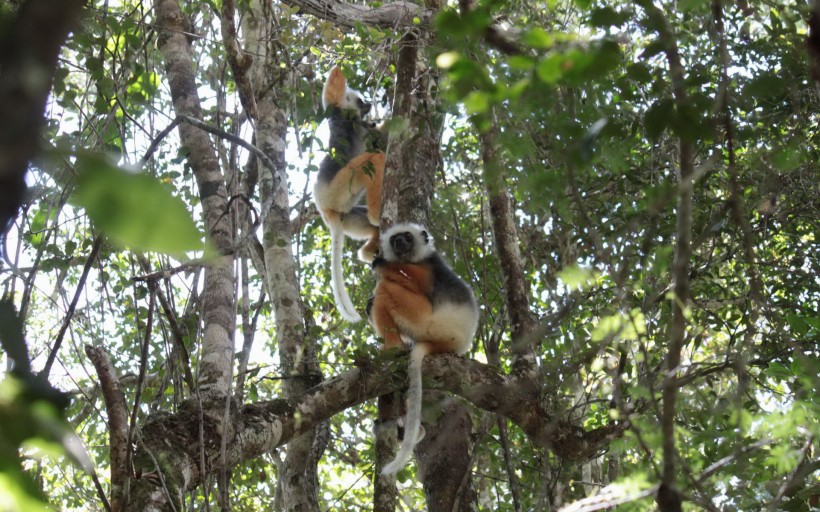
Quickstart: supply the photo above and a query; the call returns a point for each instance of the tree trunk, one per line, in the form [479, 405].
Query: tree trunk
[218, 296]
[444, 458]
[298, 477]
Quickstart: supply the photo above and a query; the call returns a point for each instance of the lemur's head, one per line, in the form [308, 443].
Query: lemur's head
[353, 100]
[337, 93]
[406, 243]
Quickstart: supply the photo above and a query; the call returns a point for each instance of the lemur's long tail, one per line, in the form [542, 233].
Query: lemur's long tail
[343, 302]
[412, 422]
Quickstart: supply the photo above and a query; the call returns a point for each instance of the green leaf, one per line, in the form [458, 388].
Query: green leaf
[639, 72]
[605, 17]
[550, 69]
[797, 325]
[134, 209]
[461, 25]
[778, 371]
[576, 277]
[539, 38]
[788, 158]
[476, 102]
[652, 49]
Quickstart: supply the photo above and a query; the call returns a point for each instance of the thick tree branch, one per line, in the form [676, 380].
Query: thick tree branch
[297, 351]
[239, 62]
[397, 15]
[399, 203]
[406, 194]
[218, 297]
[257, 428]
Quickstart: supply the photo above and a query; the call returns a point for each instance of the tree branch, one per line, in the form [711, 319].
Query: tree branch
[218, 309]
[257, 428]
[813, 41]
[117, 424]
[669, 498]
[507, 249]
[70, 313]
[29, 47]
[239, 62]
[396, 15]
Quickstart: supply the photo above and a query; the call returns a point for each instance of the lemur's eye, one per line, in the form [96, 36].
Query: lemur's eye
[426, 237]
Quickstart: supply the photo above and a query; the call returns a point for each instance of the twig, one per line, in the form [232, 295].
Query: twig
[176, 331]
[95, 248]
[159, 138]
[153, 277]
[714, 467]
[141, 376]
[511, 476]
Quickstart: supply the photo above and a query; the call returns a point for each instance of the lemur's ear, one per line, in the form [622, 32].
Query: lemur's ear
[335, 88]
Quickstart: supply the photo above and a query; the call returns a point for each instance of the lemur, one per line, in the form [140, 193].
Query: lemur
[419, 299]
[347, 173]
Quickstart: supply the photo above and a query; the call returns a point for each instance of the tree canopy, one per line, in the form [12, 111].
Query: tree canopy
[630, 189]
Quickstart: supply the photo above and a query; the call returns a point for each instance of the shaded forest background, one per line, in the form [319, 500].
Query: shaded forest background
[631, 189]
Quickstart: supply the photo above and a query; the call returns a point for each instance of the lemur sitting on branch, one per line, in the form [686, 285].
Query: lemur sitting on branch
[420, 300]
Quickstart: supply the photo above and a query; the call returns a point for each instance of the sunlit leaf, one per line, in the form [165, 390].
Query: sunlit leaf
[134, 209]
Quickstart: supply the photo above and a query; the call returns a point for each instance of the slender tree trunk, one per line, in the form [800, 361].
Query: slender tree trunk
[218, 296]
[669, 498]
[297, 354]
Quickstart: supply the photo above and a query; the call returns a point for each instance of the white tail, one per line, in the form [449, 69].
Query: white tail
[412, 422]
[337, 280]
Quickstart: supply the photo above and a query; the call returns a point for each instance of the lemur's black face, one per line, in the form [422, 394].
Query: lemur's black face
[403, 243]
[364, 107]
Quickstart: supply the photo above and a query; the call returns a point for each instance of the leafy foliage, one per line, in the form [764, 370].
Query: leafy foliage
[587, 131]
